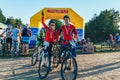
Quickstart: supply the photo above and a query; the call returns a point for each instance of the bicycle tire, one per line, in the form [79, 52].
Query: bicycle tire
[34, 57]
[46, 68]
[76, 68]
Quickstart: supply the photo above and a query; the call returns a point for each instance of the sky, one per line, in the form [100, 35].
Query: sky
[24, 9]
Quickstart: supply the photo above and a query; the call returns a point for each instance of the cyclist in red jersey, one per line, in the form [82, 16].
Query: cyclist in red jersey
[51, 34]
[69, 34]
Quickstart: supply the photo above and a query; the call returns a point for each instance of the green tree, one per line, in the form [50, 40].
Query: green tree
[18, 22]
[13, 21]
[2, 17]
[100, 26]
[58, 23]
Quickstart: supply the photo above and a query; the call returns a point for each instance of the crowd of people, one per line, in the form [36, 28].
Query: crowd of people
[15, 35]
[114, 40]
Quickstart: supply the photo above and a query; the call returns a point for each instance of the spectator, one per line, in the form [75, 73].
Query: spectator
[88, 40]
[117, 38]
[8, 38]
[117, 41]
[83, 42]
[15, 46]
[26, 33]
[111, 38]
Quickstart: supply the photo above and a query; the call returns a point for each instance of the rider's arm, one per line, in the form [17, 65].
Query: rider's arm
[45, 26]
[75, 33]
[58, 34]
[59, 31]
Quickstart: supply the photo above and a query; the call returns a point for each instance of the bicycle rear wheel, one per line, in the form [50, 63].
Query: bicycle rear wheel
[56, 61]
[68, 69]
[44, 66]
[56, 56]
[34, 57]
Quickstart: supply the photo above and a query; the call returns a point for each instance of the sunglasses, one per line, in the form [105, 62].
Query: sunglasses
[52, 24]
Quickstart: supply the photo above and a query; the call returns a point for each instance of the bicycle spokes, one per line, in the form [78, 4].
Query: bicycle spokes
[44, 66]
[69, 69]
[34, 57]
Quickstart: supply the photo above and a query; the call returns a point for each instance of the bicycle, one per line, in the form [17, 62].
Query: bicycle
[41, 54]
[69, 66]
[1, 46]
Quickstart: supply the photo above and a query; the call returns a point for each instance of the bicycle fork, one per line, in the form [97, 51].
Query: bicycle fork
[43, 56]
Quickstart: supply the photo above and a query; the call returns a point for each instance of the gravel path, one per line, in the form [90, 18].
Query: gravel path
[99, 66]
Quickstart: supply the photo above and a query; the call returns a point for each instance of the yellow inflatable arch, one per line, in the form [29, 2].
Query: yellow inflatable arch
[58, 13]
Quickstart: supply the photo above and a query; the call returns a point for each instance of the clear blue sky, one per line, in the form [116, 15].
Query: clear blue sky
[24, 9]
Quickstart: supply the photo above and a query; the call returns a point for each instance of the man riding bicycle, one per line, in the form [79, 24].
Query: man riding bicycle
[51, 34]
[69, 33]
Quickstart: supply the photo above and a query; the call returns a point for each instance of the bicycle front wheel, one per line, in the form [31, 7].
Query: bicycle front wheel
[34, 57]
[69, 68]
[44, 66]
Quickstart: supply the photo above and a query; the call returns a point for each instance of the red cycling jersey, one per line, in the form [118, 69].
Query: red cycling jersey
[50, 34]
[68, 33]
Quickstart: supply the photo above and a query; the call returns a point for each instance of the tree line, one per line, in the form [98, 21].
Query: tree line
[100, 26]
[10, 20]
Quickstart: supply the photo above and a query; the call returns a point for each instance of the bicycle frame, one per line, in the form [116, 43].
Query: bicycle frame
[66, 51]
[41, 53]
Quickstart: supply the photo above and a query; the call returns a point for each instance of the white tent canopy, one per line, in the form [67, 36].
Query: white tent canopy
[2, 27]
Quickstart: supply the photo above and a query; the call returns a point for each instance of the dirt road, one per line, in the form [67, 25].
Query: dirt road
[99, 66]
